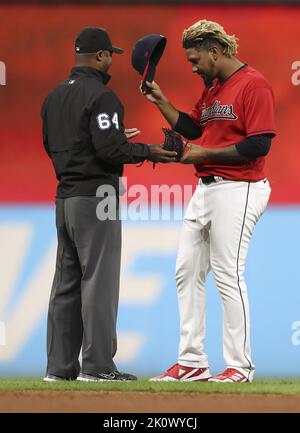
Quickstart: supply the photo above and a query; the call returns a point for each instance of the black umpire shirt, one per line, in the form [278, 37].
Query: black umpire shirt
[83, 133]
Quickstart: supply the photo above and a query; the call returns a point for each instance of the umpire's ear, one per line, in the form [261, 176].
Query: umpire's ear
[99, 56]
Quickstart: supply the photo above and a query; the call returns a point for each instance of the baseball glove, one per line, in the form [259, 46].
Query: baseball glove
[174, 141]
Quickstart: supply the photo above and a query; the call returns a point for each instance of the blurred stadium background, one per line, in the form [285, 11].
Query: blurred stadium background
[37, 49]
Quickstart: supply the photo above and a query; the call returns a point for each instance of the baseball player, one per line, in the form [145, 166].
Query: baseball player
[234, 121]
[84, 136]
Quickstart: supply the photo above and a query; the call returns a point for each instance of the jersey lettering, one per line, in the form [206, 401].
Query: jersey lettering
[104, 121]
[217, 112]
[115, 120]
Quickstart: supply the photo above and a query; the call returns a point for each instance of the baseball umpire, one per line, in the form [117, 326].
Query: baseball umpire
[235, 120]
[84, 136]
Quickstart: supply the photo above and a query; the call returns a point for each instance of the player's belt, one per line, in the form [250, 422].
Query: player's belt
[210, 179]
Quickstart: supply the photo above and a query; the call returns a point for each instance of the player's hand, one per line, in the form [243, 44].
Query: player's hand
[154, 93]
[194, 154]
[131, 132]
[159, 154]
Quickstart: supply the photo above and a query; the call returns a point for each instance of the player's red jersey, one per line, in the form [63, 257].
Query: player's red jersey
[229, 112]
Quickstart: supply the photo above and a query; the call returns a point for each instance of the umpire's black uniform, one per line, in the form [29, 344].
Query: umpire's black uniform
[84, 136]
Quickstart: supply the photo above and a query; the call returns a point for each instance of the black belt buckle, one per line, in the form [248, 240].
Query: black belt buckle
[208, 179]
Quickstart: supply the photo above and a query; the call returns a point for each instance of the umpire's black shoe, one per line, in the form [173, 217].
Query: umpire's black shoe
[53, 378]
[112, 376]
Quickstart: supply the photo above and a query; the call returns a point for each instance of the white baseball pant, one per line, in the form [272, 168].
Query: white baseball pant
[216, 232]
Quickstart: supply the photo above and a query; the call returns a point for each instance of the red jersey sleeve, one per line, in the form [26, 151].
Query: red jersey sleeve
[259, 111]
[195, 114]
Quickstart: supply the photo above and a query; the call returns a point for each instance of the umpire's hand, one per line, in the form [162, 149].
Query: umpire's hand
[159, 154]
[131, 133]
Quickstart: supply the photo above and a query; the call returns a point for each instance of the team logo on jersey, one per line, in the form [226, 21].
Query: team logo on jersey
[217, 111]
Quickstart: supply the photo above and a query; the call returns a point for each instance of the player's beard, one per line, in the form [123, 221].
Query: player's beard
[208, 77]
[208, 81]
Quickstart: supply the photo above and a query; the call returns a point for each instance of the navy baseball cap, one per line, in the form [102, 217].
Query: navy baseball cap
[146, 54]
[94, 39]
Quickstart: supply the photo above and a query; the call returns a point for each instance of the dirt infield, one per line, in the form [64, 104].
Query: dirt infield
[143, 402]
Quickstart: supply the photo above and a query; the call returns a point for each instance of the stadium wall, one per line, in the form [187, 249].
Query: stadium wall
[37, 53]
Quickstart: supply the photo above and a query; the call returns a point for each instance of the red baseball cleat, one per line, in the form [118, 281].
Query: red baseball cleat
[180, 373]
[230, 375]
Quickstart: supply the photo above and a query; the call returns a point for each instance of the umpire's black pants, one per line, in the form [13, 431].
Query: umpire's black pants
[84, 298]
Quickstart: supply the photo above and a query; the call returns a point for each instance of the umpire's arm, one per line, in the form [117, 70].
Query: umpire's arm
[107, 131]
[45, 129]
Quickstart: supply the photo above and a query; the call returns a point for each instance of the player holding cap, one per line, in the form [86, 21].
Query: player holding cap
[234, 121]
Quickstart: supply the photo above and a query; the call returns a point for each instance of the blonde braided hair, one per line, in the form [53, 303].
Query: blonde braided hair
[208, 30]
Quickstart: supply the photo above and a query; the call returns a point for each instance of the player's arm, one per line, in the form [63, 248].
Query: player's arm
[244, 151]
[181, 122]
[156, 96]
[109, 138]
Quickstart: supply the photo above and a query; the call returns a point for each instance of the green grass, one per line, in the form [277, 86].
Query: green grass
[268, 386]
